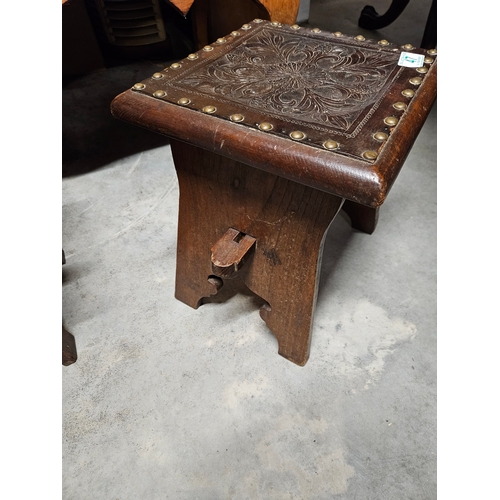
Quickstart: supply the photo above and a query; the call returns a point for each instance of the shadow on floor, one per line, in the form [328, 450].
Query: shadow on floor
[91, 137]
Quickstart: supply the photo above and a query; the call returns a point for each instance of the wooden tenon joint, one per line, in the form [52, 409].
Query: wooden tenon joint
[231, 252]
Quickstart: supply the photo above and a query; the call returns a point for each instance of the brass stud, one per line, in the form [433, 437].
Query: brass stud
[428, 60]
[276, 23]
[183, 101]
[380, 136]
[383, 42]
[209, 109]
[331, 145]
[316, 30]
[295, 27]
[408, 92]
[159, 93]
[208, 48]
[139, 86]
[391, 121]
[192, 57]
[400, 106]
[257, 20]
[416, 81]
[246, 27]
[360, 38]
[265, 126]
[370, 155]
[422, 70]
[220, 41]
[297, 135]
[337, 34]
[408, 46]
[236, 117]
[235, 33]
[432, 52]
[175, 66]
[157, 76]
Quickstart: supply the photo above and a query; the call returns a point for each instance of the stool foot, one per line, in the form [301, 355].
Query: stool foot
[363, 218]
[287, 222]
[192, 293]
[292, 345]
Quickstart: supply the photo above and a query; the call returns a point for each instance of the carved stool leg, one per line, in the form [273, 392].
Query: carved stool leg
[363, 218]
[288, 221]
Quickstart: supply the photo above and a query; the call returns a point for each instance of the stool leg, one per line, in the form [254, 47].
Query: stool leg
[288, 221]
[286, 266]
[363, 218]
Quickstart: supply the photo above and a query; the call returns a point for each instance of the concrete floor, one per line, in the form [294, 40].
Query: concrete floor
[166, 402]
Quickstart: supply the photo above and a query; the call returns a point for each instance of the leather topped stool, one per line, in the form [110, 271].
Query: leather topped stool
[274, 129]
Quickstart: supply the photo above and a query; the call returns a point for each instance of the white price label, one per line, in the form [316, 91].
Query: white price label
[411, 60]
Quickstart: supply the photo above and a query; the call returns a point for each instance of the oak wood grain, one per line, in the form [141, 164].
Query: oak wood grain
[288, 221]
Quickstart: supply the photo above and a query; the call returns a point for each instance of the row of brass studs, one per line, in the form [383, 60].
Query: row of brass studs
[297, 135]
[392, 121]
[360, 38]
[246, 27]
[176, 65]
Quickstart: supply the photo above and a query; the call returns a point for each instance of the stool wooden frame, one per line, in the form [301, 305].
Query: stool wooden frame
[274, 129]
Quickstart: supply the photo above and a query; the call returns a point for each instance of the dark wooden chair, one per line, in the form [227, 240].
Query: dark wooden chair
[371, 20]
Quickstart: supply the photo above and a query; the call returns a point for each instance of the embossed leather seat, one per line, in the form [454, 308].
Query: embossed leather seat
[275, 128]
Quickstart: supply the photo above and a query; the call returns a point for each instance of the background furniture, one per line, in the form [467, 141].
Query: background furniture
[68, 340]
[81, 53]
[213, 19]
[68, 348]
[371, 20]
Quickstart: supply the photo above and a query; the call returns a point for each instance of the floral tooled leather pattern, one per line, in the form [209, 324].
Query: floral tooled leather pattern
[313, 81]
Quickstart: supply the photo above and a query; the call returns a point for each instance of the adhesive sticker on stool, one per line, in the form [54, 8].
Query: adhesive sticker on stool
[410, 60]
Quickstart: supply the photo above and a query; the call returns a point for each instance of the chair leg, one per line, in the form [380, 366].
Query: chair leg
[68, 348]
[429, 40]
[68, 340]
[371, 20]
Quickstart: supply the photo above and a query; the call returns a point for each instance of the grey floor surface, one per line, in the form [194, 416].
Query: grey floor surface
[167, 402]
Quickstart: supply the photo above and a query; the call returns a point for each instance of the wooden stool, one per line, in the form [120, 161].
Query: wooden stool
[274, 128]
